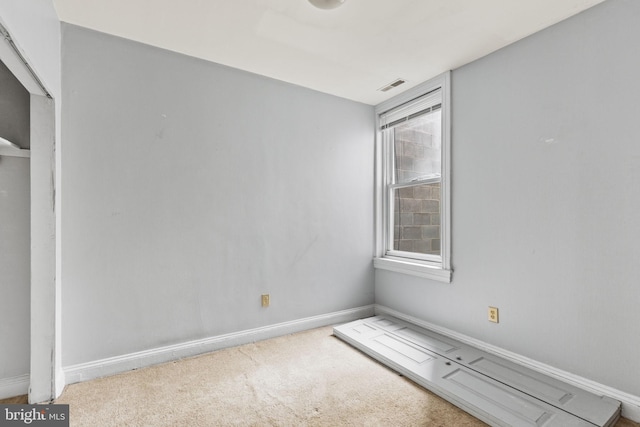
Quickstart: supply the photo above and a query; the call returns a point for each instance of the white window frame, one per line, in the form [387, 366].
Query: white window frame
[408, 262]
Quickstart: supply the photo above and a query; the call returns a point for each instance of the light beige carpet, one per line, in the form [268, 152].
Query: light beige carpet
[305, 379]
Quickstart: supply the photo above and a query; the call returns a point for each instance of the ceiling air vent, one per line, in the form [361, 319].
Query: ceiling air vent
[391, 85]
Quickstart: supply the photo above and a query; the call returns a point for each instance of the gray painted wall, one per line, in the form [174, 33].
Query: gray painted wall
[192, 188]
[14, 109]
[14, 266]
[546, 195]
[15, 260]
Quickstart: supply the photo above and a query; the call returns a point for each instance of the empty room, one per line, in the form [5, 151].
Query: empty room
[320, 212]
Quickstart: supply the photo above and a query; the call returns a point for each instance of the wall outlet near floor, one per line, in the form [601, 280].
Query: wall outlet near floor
[265, 300]
[493, 314]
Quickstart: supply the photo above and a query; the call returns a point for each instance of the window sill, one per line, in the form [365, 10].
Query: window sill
[413, 268]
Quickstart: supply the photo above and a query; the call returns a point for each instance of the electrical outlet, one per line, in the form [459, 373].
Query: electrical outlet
[493, 314]
[265, 300]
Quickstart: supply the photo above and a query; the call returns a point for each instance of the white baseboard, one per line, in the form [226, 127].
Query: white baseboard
[14, 386]
[114, 365]
[630, 403]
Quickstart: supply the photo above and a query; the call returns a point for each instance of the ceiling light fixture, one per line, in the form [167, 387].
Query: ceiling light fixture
[327, 4]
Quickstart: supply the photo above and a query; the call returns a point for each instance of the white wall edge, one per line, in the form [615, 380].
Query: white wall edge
[114, 365]
[14, 386]
[630, 403]
[60, 382]
[16, 65]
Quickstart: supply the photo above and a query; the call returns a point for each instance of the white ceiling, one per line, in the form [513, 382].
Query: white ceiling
[350, 52]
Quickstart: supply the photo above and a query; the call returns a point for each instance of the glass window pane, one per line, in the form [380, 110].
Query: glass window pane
[417, 148]
[416, 216]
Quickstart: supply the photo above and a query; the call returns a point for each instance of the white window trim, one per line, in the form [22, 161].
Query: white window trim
[440, 271]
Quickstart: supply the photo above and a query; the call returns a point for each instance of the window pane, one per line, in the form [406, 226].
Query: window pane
[417, 148]
[417, 219]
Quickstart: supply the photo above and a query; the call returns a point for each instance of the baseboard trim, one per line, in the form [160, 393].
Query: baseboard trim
[630, 403]
[14, 386]
[114, 365]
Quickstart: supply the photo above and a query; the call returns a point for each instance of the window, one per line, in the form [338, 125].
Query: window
[412, 170]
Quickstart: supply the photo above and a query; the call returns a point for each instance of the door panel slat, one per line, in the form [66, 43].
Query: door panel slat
[493, 389]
